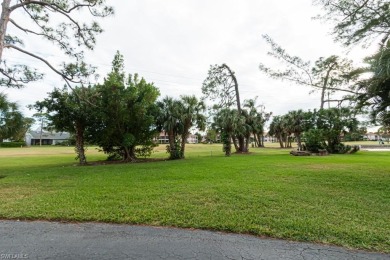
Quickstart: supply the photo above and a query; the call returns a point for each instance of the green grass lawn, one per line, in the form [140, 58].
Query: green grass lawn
[337, 199]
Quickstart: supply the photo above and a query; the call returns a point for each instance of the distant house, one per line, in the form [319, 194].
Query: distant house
[269, 138]
[372, 136]
[48, 138]
[192, 139]
[162, 138]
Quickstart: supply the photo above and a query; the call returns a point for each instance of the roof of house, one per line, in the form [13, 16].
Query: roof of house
[49, 135]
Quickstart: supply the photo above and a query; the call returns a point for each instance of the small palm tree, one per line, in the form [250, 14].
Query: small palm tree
[276, 129]
[168, 121]
[228, 122]
[191, 114]
[176, 118]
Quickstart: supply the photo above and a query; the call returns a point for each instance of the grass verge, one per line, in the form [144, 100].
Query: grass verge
[338, 199]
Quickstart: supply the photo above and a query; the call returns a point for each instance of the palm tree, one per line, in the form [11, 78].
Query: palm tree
[190, 115]
[256, 118]
[227, 122]
[375, 90]
[176, 118]
[168, 120]
[276, 129]
[297, 124]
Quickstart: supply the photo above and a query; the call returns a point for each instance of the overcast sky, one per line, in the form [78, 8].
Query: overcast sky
[173, 43]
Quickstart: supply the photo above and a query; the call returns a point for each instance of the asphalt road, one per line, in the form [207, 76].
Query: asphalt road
[51, 240]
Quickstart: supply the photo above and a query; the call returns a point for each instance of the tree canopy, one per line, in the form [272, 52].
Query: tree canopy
[318, 129]
[327, 75]
[67, 112]
[358, 21]
[127, 111]
[221, 87]
[365, 22]
[176, 117]
[11, 119]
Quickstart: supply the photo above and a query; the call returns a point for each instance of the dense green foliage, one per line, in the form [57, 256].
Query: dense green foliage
[126, 114]
[11, 119]
[249, 124]
[118, 115]
[321, 129]
[375, 90]
[358, 21]
[336, 199]
[256, 118]
[366, 22]
[176, 117]
[12, 144]
[227, 122]
[333, 123]
[71, 111]
[221, 87]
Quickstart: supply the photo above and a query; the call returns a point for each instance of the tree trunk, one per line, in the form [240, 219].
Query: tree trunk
[80, 145]
[126, 155]
[40, 134]
[228, 148]
[132, 153]
[235, 87]
[183, 145]
[5, 14]
[172, 145]
[235, 143]
[325, 86]
[260, 141]
[247, 143]
[299, 143]
[280, 138]
[257, 139]
[241, 144]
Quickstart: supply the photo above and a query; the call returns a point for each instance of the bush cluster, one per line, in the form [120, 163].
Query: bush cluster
[12, 144]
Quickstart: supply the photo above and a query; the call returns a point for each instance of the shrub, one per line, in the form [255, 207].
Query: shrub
[313, 140]
[12, 144]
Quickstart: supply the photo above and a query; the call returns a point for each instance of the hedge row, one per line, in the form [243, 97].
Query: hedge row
[12, 144]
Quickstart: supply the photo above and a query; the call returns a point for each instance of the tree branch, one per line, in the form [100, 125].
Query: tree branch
[357, 10]
[66, 78]
[29, 2]
[60, 43]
